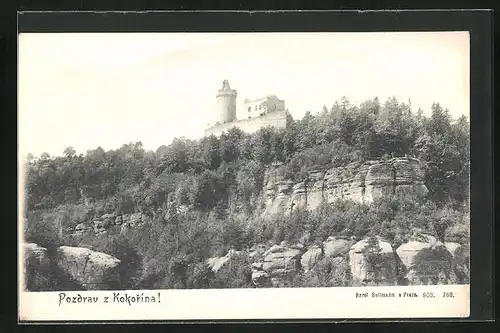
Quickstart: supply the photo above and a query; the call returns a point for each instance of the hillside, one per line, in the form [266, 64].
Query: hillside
[356, 195]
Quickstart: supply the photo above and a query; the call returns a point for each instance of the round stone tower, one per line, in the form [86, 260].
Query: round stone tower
[226, 103]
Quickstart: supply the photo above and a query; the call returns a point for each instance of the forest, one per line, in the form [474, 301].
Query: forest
[205, 197]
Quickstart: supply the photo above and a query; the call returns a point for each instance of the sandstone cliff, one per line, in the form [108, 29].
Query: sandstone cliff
[111, 222]
[360, 182]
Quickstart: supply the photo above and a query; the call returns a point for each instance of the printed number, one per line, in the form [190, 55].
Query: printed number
[428, 295]
[448, 294]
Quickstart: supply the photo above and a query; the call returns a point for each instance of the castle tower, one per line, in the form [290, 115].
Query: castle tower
[226, 104]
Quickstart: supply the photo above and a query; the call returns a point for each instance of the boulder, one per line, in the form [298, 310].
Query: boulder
[426, 260]
[311, 257]
[125, 218]
[261, 279]
[336, 247]
[298, 246]
[216, 263]
[98, 227]
[284, 243]
[256, 252]
[119, 220]
[35, 255]
[373, 262]
[81, 229]
[459, 252]
[108, 220]
[257, 266]
[339, 275]
[36, 267]
[280, 260]
[92, 270]
[135, 219]
[460, 261]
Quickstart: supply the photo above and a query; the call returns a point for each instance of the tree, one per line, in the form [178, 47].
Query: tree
[129, 268]
[262, 150]
[440, 121]
[211, 158]
[229, 145]
[206, 194]
[69, 152]
[176, 158]
[30, 157]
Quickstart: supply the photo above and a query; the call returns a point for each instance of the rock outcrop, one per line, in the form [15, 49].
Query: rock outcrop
[35, 256]
[256, 251]
[261, 279]
[460, 261]
[35, 253]
[216, 263]
[427, 261]
[101, 225]
[372, 261]
[360, 182]
[336, 247]
[36, 267]
[81, 229]
[93, 270]
[311, 257]
[278, 263]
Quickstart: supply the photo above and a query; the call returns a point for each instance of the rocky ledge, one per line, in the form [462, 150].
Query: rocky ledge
[120, 223]
[360, 182]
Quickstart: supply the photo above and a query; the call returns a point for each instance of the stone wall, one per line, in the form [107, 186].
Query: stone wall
[250, 125]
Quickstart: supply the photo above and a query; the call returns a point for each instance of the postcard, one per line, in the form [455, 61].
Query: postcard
[225, 176]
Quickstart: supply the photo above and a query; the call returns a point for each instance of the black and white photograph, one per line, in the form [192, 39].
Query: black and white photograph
[248, 161]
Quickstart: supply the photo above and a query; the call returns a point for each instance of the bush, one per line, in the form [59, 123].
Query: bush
[40, 228]
[328, 272]
[129, 269]
[235, 274]
[200, 276]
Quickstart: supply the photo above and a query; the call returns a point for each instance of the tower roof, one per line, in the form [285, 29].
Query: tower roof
[225, 85]
[226, 89]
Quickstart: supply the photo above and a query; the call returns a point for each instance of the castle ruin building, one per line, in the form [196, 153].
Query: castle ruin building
[266, 111]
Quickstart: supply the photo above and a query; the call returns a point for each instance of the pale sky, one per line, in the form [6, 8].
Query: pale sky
[107, 89]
